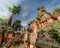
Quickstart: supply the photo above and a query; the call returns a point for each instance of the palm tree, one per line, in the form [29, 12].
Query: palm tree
[17, 25]
[13, 9]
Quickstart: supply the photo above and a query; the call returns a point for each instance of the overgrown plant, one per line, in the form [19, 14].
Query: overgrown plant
[54, 31]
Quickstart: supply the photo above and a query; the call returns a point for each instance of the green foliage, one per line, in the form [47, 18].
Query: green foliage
[56, 10]
[55, 35]
[41, 14]
[14, 8]
[38, 18]
[54, 31]
[41, 30]
[9, 29]
[31, 22]
[56, 25]
[16, 25]
[2, 21]
[41, 42]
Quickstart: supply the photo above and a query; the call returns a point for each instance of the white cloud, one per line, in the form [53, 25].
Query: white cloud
[58, 6]
[25, 11]
[24, 23]
[25, 14]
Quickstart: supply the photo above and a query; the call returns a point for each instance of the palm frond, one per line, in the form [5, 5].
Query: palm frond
[14, 8]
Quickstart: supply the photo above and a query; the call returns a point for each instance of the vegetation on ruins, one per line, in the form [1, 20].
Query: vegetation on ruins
[41, 30]
[55, 27]
[56, 10]
[55, 31]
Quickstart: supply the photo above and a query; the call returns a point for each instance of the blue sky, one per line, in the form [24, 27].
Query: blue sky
[28, 8]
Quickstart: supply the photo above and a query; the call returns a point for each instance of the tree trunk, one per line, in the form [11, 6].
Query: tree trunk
[10, 19]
